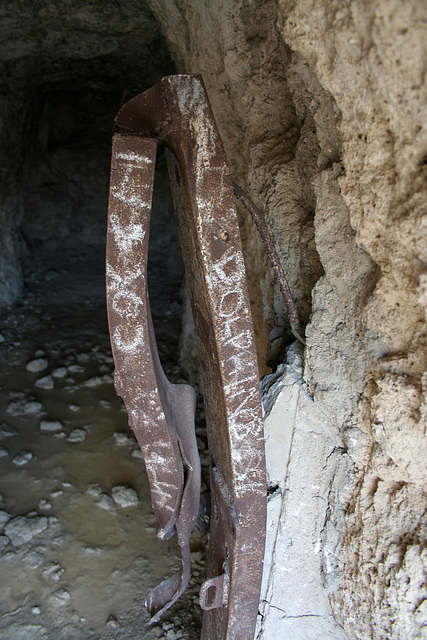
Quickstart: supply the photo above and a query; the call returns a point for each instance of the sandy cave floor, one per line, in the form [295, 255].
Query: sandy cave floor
[78, 550]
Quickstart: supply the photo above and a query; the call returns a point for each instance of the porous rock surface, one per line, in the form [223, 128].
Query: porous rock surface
[322, 110]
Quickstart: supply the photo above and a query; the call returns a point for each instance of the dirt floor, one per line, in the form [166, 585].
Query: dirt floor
[78, 547]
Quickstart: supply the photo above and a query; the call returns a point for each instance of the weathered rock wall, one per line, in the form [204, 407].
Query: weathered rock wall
[321, 107]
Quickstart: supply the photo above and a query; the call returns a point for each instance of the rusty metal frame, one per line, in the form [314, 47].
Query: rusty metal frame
[177, 111]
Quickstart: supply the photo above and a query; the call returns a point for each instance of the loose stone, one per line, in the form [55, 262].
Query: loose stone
[7, 431]
[124, 496]
[22, 458]
[44, 505]
[75, 368]
[37, 365]
[78, 435]
[4, 518]
[22, 529]
[122, 439]
[60, 372]
[3, 452]
[51, 426]
[24, 407]
[106, 502]
[46, 383]
[52, 572]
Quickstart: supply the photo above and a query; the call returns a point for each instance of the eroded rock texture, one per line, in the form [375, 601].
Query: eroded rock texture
[321, 106]
[322, 109]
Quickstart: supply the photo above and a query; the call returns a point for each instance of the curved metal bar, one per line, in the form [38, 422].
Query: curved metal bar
[177, 111]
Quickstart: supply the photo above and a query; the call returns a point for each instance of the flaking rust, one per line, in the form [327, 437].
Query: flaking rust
[177, 111]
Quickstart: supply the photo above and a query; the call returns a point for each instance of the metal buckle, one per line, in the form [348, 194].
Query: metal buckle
[177, 111]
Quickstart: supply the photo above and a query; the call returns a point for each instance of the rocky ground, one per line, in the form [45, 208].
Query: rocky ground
[78, 551]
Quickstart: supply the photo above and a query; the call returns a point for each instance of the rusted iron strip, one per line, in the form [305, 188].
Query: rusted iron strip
[161, 414]
[177, 111]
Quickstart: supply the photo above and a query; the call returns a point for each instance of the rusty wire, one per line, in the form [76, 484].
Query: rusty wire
[267, 240]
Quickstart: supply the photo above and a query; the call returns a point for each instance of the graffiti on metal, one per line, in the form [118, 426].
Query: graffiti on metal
[161, 414]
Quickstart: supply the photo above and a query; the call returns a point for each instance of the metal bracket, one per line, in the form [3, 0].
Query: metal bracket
[177, 111]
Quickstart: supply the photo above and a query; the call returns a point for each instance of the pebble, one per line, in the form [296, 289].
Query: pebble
[63, 595]
[3, 452]
[22, 458]
[2, 338]
[137, 453]
[74, 407]
[56, 494]
[106, 502]
[105, 404]
[33, 559]
[60, 372]
[93, 382]
[36, 611]
[83, 357]
[122, 439]
[124, 496]
[75, 368]
[4, 541]
[51, 426]
[4, 518]
[37, 365]
[94, 489]
[6, 431]
[24, 407]
[52, 572]
[46, 383]
[77, 435]
[44, 505]
[40, 353]
[23, 529]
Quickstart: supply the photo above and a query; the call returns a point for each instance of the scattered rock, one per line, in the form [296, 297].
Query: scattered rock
[83, 357]
[56, 494]
[40, 353]
[124, 496]
[74, 408]
[33, 559]
[122, 439]
[51, 426]
[36, 611]
[52, 572]
[22, 529]
[77, 435]
[4, 541]
[75, 368]
[137, 453]
[7, 431]
[37, 365]
[2, 338]
[22, 458]
[94, 489]
[4, 518]
[3, 452]
[63, 595]
[106, 502]
[93, 382]
[105, 404]
[60, 372]
[25, 407]
[45, 383]
[44, 505]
